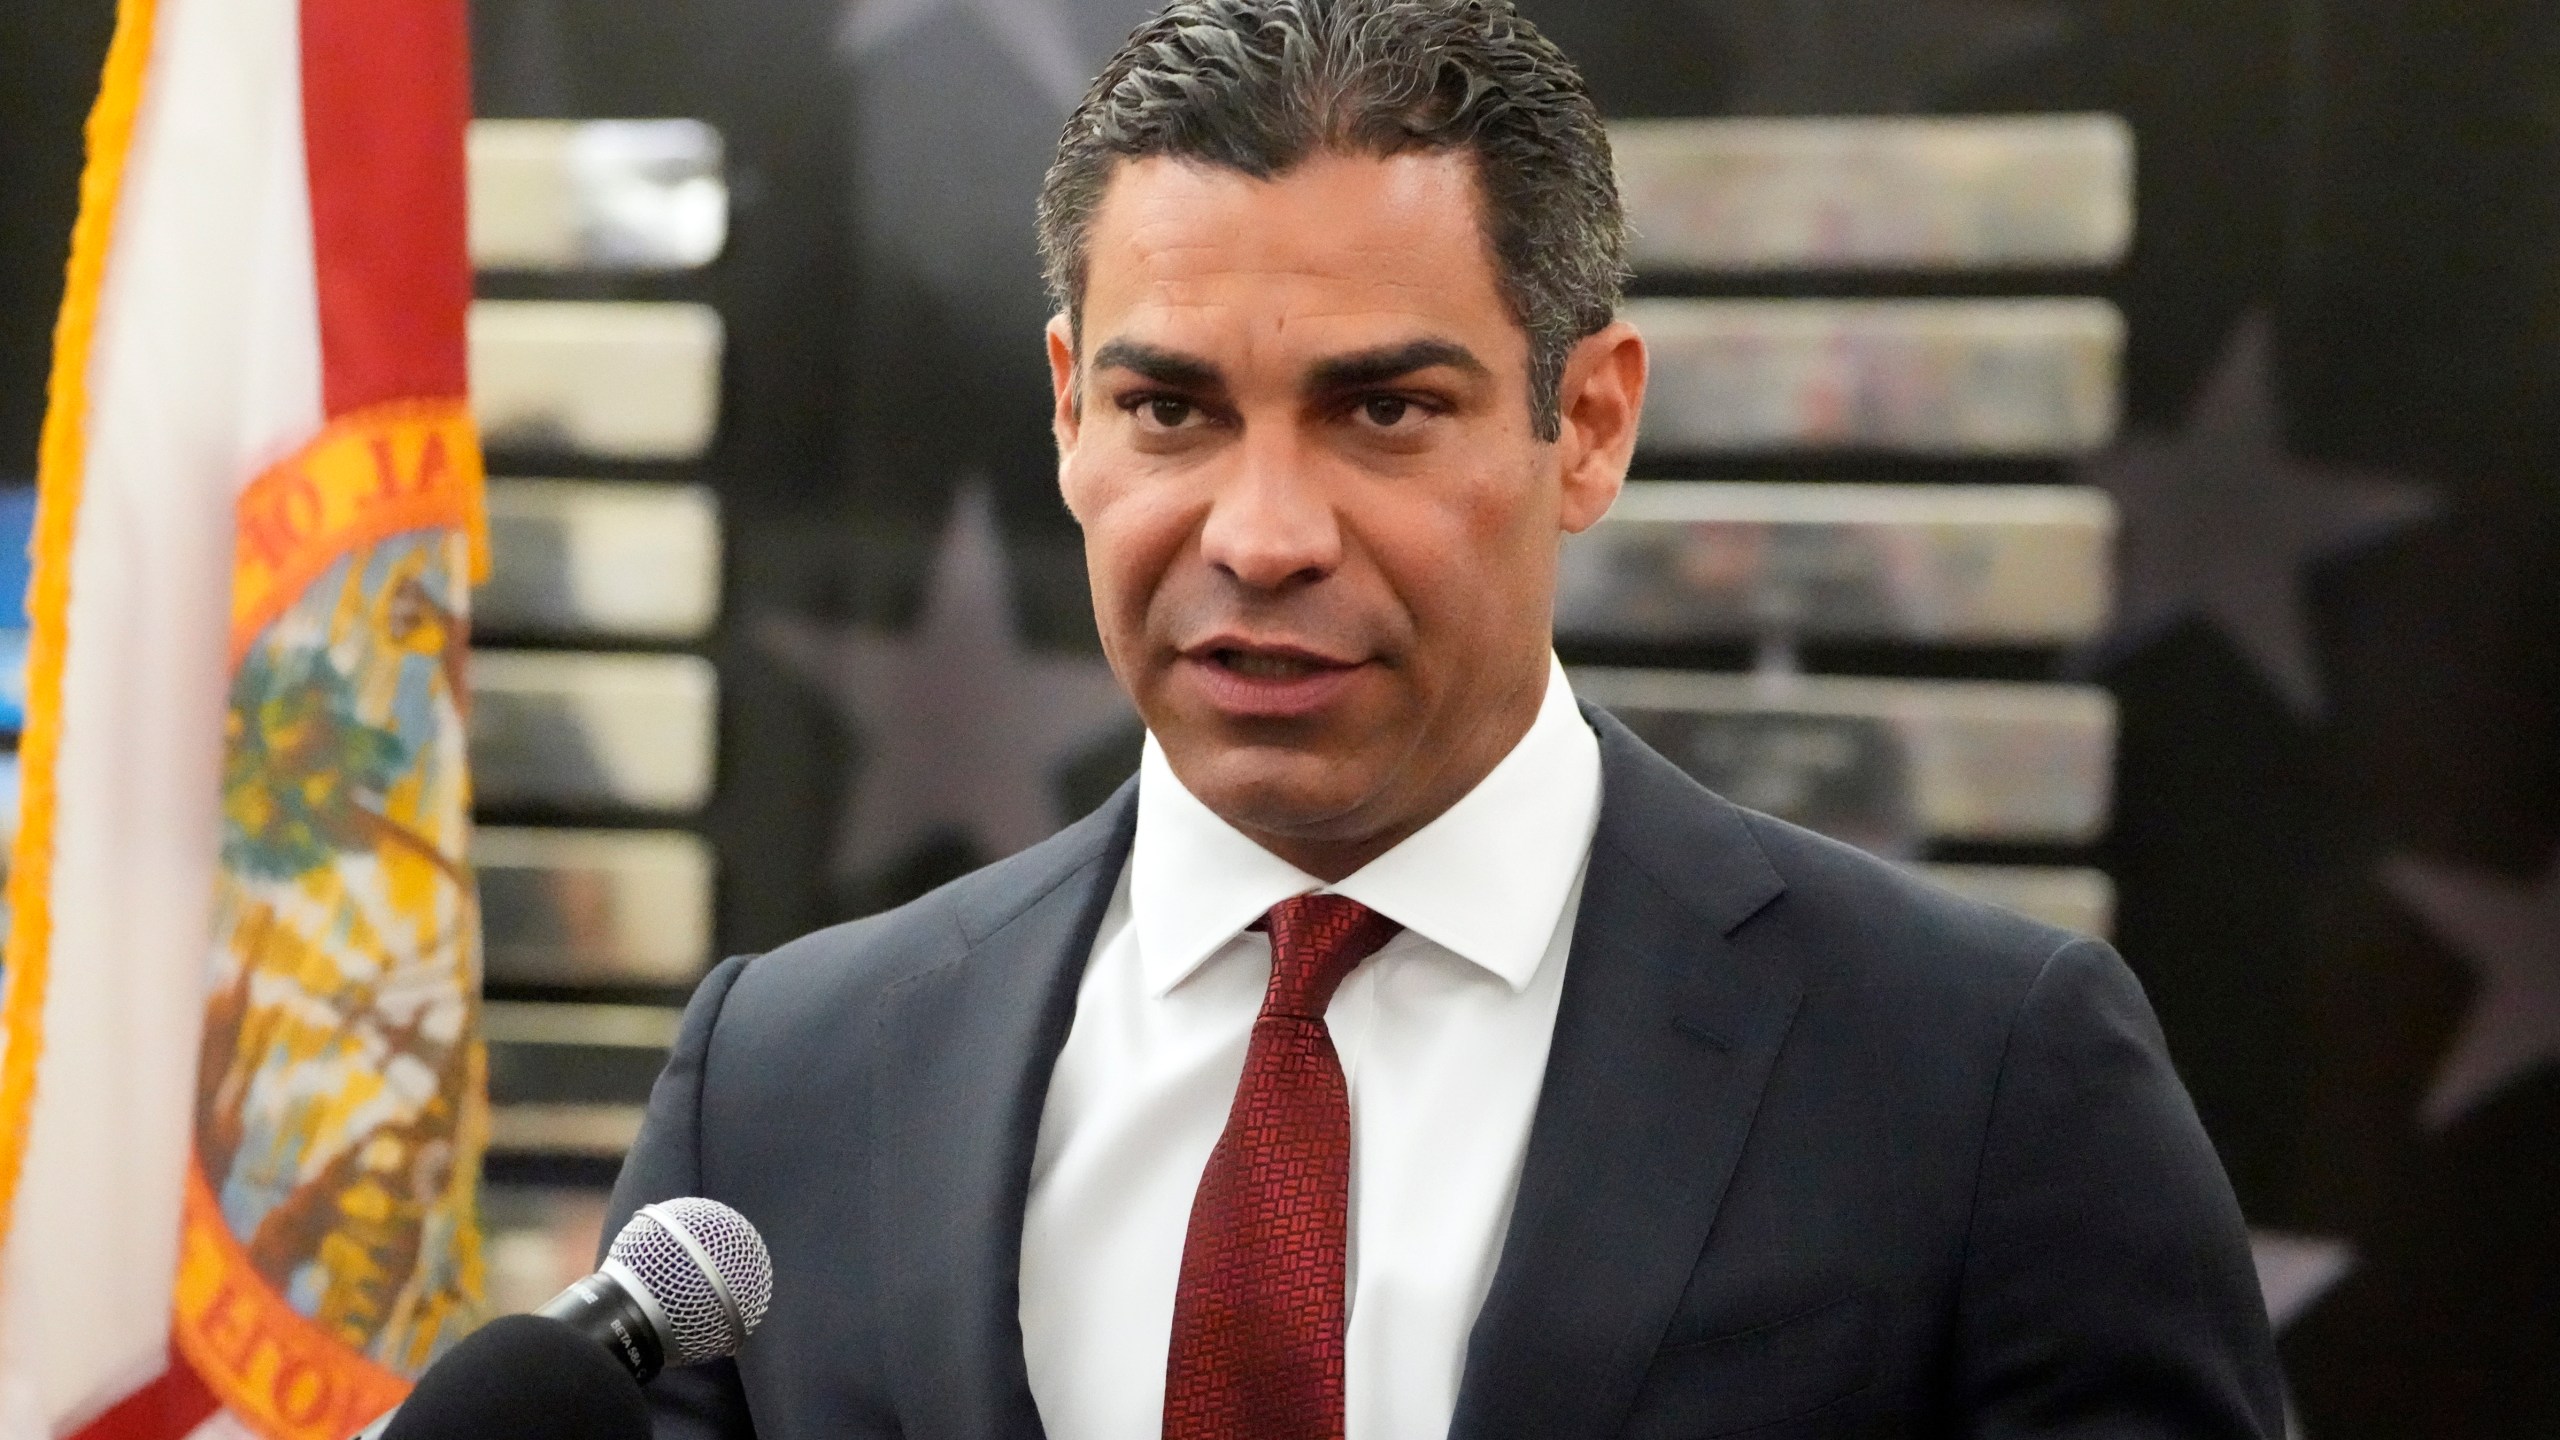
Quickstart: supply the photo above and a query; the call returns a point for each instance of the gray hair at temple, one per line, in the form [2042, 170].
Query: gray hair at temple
[1261, 85]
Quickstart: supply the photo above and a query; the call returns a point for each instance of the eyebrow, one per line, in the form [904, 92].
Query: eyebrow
[1392, 362]
[1165, 367]
[1337, 373]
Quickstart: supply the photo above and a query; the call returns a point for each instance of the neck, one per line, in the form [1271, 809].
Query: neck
[1335, 860]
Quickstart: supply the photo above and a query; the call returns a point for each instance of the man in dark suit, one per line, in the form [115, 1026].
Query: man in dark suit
[1407, 1051]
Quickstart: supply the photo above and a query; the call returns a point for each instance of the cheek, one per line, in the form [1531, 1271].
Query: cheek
[1471, 564]
[1499, 535]
[1132, 536]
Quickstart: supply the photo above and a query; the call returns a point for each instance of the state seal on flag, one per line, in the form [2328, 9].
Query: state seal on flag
[330, 1246]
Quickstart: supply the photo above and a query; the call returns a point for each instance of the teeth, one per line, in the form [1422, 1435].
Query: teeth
[1266, 667]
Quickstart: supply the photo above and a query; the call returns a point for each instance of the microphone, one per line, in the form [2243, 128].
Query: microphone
[524, 1377]
[686, 1281]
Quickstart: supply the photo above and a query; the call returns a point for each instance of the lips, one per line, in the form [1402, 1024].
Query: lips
[1267, 665]
[1255, 680]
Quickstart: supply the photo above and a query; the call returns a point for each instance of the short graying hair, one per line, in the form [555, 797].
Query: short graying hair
[1260, 85]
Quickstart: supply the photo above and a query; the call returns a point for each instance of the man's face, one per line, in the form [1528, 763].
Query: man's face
[1321, 530]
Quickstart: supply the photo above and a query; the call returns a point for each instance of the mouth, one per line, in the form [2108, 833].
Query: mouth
[1269, 664]
[1248, 679]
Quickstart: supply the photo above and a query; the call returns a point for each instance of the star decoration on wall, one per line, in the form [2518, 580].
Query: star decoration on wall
[2508, 932]
[2220, 521]
[1038, 36]
[2294, 1271]
[962, 730]
[1871, 56]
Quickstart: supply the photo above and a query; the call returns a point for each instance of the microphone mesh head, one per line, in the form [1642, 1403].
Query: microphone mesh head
[702, 1325]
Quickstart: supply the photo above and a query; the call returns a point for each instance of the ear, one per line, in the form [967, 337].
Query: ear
[1598, 403]
[1068, 416]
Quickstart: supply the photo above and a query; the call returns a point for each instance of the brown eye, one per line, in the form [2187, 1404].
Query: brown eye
[1167, 413]
[1386, 411]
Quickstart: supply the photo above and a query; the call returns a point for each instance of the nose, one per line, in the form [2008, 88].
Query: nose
[1271, 525]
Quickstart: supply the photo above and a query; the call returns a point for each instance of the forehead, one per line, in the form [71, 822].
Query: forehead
[1339, 252]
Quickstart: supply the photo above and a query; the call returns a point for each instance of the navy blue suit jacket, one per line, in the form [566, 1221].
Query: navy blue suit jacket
[1822, 1152]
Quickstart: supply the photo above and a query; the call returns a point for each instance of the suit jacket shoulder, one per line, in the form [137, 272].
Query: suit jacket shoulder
[1826, 1150]
[1804, 911]
[868, 1097]
[820, 980]
[1848, 918]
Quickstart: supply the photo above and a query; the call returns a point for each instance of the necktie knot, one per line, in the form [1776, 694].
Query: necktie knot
[1317, 940]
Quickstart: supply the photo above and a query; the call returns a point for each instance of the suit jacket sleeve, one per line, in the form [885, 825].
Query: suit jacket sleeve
[698, 1402]
[2107, 1286]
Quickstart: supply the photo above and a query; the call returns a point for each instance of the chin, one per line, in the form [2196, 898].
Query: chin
[1277, 790]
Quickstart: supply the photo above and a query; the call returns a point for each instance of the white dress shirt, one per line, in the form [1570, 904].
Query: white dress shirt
[1443, 1036]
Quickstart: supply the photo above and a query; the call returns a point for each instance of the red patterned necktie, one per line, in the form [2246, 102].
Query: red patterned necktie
[1258, 1317]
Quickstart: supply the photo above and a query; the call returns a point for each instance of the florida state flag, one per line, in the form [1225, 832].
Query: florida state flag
[241, 1105]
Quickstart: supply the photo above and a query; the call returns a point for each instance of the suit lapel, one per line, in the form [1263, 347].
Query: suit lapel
[1663, 1042]
[965, 1055]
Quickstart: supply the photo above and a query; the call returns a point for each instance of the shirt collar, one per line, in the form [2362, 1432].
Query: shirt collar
[1487, 880]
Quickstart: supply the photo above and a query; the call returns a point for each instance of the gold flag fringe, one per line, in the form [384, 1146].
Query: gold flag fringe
[60, 469]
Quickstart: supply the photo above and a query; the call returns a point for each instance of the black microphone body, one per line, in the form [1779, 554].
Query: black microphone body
[602, 1317]
[526, 1377]
[609, 1309]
